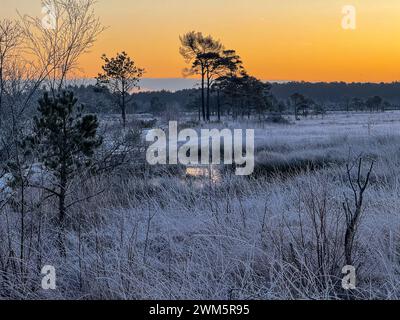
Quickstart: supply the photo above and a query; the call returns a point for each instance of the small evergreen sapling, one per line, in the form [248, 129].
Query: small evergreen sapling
[65, 140]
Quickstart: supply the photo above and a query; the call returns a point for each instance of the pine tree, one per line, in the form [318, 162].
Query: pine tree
[65, 141]
[120, 75]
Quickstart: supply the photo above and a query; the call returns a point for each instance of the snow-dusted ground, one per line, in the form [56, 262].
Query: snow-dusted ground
[335, 138]
[320, 130]
[236, 238]
[332, 139]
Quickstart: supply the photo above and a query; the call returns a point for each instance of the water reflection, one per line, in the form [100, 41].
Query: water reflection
[204, 172]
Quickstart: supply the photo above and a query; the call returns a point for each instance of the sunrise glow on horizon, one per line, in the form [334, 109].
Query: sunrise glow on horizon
[277, 39]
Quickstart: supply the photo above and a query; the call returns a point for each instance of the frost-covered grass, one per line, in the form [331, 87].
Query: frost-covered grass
[167, 236]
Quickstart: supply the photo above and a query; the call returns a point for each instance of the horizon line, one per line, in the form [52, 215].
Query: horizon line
[264, 80]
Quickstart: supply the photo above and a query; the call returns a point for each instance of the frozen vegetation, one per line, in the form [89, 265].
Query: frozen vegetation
[164, 233]
[77, 195]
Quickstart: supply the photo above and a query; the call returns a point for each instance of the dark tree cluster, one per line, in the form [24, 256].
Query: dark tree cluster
[243, 95]
[209, 59]
[339, 92]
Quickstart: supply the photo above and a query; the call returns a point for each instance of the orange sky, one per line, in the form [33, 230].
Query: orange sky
[277, 39]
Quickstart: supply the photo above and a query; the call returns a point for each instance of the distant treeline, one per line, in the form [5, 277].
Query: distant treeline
[338, 92]
[324, 92]
[336, 95]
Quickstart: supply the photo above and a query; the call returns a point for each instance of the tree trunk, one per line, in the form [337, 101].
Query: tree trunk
[1, 92]
[123, 109]
[199, 111]
[203, 107]
[61, 206]
[208, 98]
[22, 239]
[350, 233]
[219, 106]
[124, 117]
[349, 240]
[62, 209]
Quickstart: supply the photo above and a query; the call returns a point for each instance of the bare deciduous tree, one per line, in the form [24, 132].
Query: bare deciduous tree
[353, 215]
[31, 54]
[57, 47]
[10, 40]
